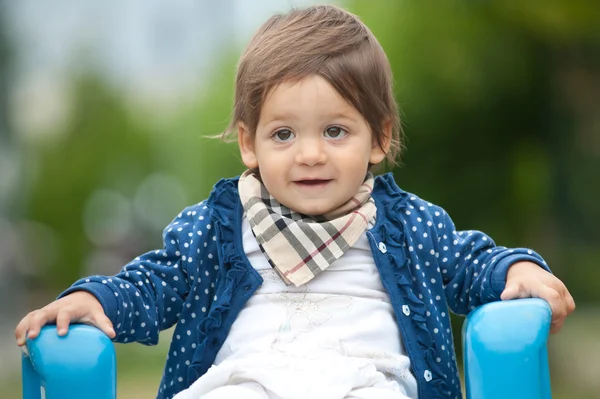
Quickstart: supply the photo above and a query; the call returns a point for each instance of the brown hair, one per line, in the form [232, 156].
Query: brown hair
[320, 40]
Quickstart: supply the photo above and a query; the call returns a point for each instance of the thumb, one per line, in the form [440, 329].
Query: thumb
[510, 292]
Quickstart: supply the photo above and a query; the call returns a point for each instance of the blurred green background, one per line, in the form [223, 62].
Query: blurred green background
[105, 111]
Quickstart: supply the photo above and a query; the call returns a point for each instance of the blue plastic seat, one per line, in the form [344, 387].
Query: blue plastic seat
[504, 346]
[80, 365]
[504, 350]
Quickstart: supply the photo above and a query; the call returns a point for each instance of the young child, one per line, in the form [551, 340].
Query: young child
[307, 277]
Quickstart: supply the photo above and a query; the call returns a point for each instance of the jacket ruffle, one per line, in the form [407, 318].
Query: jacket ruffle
[235, 271]
[392, 232]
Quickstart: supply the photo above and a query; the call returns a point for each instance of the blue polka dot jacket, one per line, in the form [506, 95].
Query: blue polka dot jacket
[201, 280]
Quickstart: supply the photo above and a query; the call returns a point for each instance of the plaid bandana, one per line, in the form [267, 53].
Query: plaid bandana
[298, 246]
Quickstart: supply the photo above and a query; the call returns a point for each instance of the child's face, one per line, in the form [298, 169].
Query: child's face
[312, 147]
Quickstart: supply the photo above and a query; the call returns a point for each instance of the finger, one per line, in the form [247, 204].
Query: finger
[37, 320]
[558, 319]
[570, 304]
[104, 324]
[564, 293]
[21, 330]
[557, 304]
[556, 326]
[568, 298]
[561, 288]
[62, 322]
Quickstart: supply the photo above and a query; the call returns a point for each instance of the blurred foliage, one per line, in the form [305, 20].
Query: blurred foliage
[501, 104]
[100, 147]
[103, 146]
[198, 125]
[5, 57]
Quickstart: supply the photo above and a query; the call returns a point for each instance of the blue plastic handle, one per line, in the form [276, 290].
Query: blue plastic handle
[505, 353]
[81, 364]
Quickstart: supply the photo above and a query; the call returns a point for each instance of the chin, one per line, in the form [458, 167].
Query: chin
[314, 211]
[308, 207]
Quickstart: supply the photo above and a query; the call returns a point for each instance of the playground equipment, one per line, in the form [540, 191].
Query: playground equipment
[504, 345]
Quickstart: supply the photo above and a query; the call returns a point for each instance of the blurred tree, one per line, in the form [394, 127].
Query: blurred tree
[207, 118]
[100, 148]
[6, 140]
[501, 105]
[103, 148]
[8, 182]
[4, 65]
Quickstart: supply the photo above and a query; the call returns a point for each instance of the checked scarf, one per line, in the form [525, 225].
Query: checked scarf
[298, 246]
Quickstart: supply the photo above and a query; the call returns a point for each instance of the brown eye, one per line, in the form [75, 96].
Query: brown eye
[335, 132]
[283, 135]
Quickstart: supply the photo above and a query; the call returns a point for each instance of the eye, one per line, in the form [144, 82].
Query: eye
[335, 132]
[283, 135]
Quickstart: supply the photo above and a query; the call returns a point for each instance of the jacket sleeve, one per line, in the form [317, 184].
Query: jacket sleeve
[146, 296]
[473, 267]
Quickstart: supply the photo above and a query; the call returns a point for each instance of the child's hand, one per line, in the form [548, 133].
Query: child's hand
[526, 280]
[79, 306]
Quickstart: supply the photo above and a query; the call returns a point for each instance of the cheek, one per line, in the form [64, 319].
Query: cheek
[357, 159]
[270, 178]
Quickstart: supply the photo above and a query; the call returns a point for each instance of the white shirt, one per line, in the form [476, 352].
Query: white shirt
[344, 310]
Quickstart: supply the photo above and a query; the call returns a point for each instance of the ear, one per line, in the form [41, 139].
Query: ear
[379, 152]
[246, 144]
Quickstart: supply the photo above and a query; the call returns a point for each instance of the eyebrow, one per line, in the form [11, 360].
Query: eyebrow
[285, 116]
[341, 115]
[281, 116]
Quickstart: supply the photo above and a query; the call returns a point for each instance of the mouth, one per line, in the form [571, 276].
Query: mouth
[312, 182]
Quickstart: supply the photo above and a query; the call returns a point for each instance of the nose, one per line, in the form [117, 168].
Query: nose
[310, 151]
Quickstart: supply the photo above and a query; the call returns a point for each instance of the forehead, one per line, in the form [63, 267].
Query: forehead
[310, 94]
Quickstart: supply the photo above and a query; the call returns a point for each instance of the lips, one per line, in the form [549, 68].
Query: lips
[312, 183]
